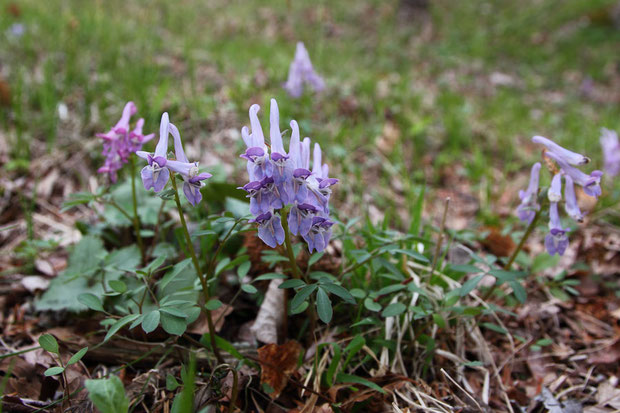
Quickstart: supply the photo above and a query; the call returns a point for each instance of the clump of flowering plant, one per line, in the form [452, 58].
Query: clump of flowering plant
[282, 186]
[120, 141]
[301, 72]
[563, 169]
[611, 151]
[157, 173]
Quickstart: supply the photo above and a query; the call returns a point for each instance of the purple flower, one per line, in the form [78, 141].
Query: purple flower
[270, 228]
[259, 165]
[529, 198]
[16, 30]
[264, 195]
[318, 182]
[279, 179]
[567, 156]
[611, 151]
[571, 207]
[556, 240]
[155, 175]
[120, 142]
[319, 234]
[300, 218]
[301, 72]
[192, 177]
[590, 183]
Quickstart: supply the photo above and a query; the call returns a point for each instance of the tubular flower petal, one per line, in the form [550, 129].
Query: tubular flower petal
[556, 240]
[571, 207]
[567, 156]
[529, 198]
[270, 228]
[611, 151]
[590, 183]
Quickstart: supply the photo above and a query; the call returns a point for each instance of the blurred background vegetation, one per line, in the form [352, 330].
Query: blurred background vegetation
[432, 92]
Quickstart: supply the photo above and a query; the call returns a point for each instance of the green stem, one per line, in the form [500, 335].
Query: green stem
[512, 258]
[295, 270]
[136, 218]
[203, 280]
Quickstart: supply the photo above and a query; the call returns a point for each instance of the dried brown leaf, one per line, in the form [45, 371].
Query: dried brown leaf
[277, 363]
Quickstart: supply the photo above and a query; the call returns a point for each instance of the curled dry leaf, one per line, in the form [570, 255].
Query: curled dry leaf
[277, 362]
[271, 315]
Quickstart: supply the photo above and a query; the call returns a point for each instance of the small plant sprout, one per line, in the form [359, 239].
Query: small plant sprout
[301, 72]
[611, 151]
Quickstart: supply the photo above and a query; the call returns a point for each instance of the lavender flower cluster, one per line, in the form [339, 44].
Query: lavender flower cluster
[281, 182]
[156, 174]
[301, 72]
[121, 141]
[556, 241]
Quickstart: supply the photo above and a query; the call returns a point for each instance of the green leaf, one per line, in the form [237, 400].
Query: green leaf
[118, 286]
[315, 257]
[171, 382]
[49, 343]
[108, 395]
[302, 295]
[213, 304]
[470, 284]
[324, 306]
[340, 291]
[203, 232]
[366, 321]
[173, 273]
[151, 321]
[299, 309]
[372, 305]
[243, 269]
[331, 370]
[173, 311]
[394, 309]
[168, 194]
[172, 324]
[77, 356]
[353, 348]
[91, 301]
[294, 283]
[465, 268]
[519, 291]
[120, 324]
[155, 264]
[439, 320]
[411, 253]
[52, 371]
[248, 288]
[358, 293]
[495, 328]
[350, 378]
[270, 276]
[391, 289]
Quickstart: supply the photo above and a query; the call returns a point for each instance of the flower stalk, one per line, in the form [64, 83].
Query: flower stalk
[296, 273]
[201, 277]
[136, 218]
